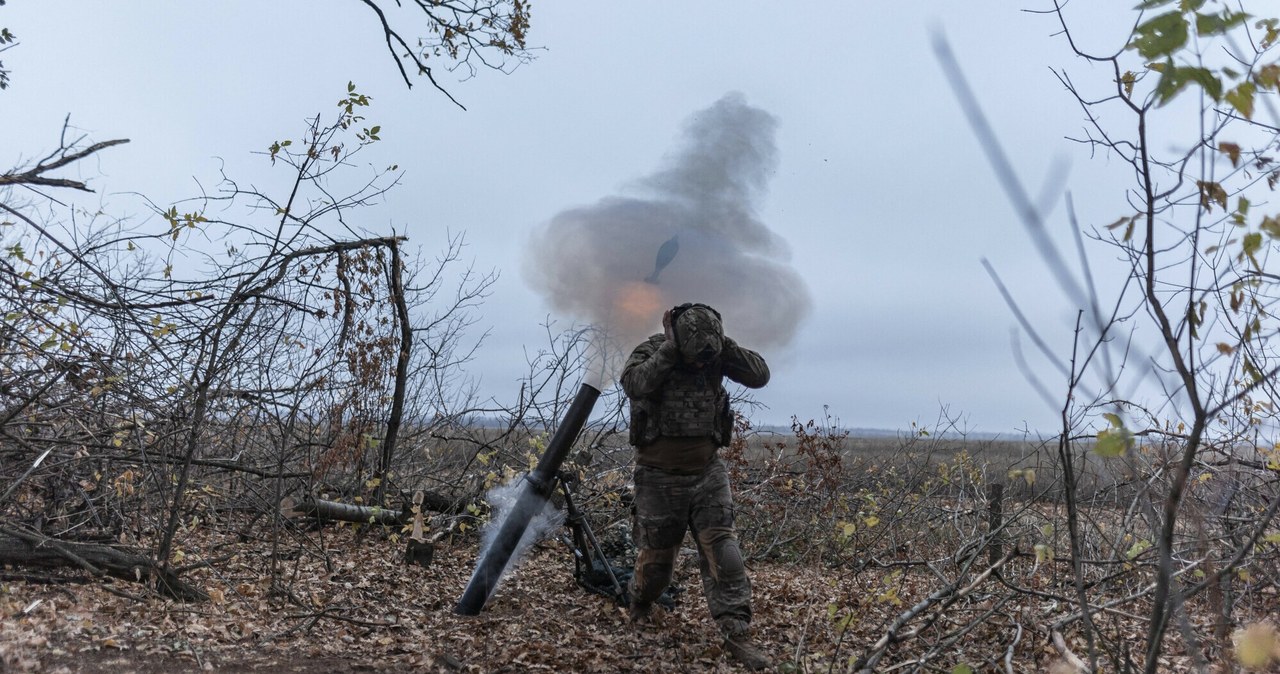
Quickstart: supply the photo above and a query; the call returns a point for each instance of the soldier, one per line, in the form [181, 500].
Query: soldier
[680, 417]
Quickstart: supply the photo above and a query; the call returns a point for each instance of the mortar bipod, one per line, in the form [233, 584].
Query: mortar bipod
[587, 552]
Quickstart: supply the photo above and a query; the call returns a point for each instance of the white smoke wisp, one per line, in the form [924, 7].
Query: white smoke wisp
[599, 353]
[591, 262]
[502, 499]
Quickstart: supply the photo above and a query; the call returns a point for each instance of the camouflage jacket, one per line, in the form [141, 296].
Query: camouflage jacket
[670, 399]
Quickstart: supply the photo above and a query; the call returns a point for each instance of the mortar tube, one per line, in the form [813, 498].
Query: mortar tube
[532, 498]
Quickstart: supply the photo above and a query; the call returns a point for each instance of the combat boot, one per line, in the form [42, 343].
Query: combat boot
[640, 613]
[741, 648]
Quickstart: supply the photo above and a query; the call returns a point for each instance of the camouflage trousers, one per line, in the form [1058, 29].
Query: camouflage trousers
[667, 505]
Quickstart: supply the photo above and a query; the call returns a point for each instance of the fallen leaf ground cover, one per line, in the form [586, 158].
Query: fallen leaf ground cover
[366, 610]
[848, 560]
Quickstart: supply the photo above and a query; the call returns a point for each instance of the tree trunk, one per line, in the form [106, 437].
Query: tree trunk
[402, 373]
[344, 512]
[24, 548]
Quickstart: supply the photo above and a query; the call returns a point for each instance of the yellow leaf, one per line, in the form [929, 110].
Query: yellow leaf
[1044, 553]
[890, 596]
[1256, 645]
[1128, 80]
[1115, 441]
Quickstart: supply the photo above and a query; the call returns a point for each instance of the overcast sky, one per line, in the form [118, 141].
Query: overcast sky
[880, 197]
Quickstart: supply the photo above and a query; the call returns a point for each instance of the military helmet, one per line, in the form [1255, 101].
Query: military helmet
[699, 332]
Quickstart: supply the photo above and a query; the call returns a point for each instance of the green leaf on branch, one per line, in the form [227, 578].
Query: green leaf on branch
[1251, 330]
[1219, 24]
[1252, 244]
[1138, 548]
[1111, 444]
[1114, 441]
[1174, 79]
[1206, 79]
[1271, 227]
[1241, 98]
[1190, 5]
[1195, 318]
[1250, 370]
[1272, 28]
[1169, 85]
[1242, 210]
[1161, 36]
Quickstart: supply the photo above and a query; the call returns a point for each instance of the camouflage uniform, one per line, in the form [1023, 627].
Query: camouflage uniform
[679, 417]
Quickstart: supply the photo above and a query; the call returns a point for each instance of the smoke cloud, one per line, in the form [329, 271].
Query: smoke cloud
[591, 262]
[503, 500]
